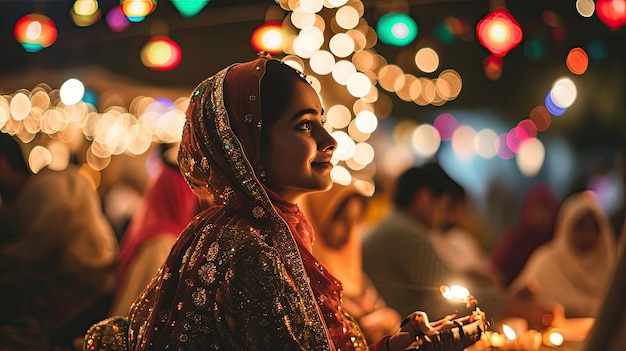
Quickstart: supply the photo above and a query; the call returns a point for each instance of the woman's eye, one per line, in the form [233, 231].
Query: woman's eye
[305, 126]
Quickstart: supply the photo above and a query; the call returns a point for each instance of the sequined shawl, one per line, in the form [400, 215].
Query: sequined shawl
[241, 276]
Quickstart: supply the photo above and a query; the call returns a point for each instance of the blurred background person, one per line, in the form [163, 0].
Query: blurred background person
[609, 330]
[572, 268]
[336, 217]
[407, 270]
[397, 253]
[168, 205]
[458, 247]
[534, 227]
[56, 255]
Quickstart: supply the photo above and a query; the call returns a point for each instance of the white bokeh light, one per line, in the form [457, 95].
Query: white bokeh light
[322, 62]
[425, 140]
[341, 45]
[530, 157]
[359, 85]
[563, 93]
[342, 71]
[345, 146]
[366, 121]
[72, 91]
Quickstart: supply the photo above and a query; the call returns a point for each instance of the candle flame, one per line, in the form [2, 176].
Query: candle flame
[508, 332]
[556, 338]
[454, 292]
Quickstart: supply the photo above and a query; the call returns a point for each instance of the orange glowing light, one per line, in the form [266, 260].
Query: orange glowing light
[268, 37]
[577, 61]
[137, 10]
[499, 32]
[161, 53]
[35, 32]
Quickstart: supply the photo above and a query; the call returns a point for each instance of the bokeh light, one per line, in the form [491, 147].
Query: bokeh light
[445, 124]
[397, 29]
[499, 32]
[427, 60]
[161, 53]
[72, 91]
[530, 157]
[425, 140]
[563, 93]
[577, 61]
[268, 37]
[35, 32]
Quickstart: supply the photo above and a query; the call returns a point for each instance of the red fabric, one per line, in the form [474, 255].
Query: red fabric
[325, 287]
[534, 227]
[167, 207]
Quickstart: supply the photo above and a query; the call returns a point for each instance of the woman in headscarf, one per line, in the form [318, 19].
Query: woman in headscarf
[572, 269]
[336, 216]
[242, 276]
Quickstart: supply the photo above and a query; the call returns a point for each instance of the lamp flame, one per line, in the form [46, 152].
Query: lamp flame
[508, 332]
[455, 292]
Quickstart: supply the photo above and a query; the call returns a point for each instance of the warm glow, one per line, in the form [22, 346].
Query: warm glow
[563, 93]
[508, 332]
[499, 32]
[346, 147]
[268, 37]
[358, 85]
[530, 157]
[427, 60]
[455, 292]
[338, 116]
[161, 53]
[342, 71]
[347, 17]
[72, 91]
[556, 338]
[341, 45]
[322, 62]
[425, 140]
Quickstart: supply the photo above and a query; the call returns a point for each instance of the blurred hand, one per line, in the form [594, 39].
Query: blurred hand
[524, 303]
[417, 332]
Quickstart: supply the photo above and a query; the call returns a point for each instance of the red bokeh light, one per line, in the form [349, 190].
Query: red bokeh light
[612, 12]
[499, 32]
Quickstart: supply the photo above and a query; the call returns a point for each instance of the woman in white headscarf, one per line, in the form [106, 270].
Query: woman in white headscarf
[572, 268]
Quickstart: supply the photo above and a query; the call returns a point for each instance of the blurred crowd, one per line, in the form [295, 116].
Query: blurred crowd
[71, 255]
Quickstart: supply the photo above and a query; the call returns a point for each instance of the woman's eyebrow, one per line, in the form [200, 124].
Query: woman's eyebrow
[306, 111]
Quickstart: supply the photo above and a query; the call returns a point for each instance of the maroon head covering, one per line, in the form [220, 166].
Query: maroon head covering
[219, 156]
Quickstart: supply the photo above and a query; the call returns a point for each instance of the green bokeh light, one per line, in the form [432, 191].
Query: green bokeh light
[396, 29]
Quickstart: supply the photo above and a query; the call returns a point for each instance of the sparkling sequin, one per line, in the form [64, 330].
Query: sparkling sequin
[247, 118]
[258, 212]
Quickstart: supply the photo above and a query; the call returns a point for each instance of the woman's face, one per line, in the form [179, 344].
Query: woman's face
[296, 155]
[585, 233]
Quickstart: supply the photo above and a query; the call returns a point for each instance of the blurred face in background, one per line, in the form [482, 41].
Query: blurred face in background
[338, 230]
[585, 233]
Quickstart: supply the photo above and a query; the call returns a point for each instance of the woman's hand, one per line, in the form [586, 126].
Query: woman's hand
[449, 333]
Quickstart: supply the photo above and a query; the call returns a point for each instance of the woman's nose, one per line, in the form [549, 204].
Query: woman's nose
[326, 142]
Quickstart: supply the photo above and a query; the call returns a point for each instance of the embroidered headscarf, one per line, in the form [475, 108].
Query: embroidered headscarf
[220, 156]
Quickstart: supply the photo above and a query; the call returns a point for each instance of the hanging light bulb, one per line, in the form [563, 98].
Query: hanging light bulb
[35, 32]
[161, 53]
[137, 10]
[499, 32]
[268, 37]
